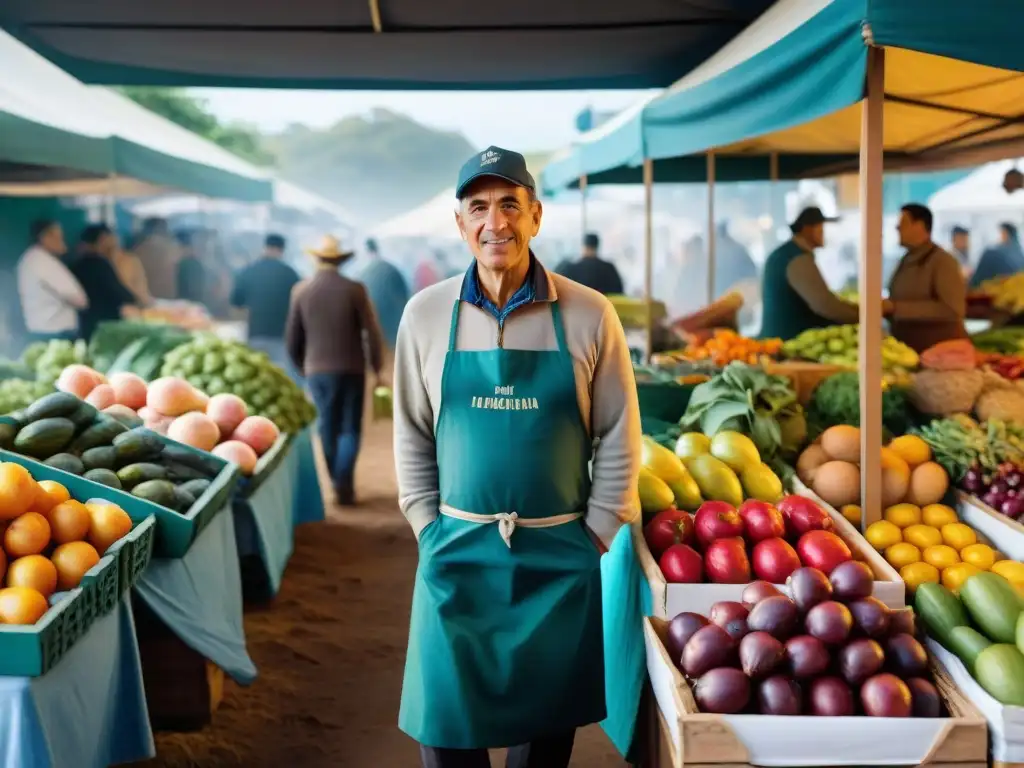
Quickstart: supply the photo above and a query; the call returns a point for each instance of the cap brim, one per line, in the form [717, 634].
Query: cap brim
[485, 174]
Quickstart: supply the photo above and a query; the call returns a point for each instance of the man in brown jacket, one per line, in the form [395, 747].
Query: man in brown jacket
[928, 291]
[329, 322]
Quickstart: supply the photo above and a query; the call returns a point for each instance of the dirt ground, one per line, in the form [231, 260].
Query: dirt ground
[331, 648]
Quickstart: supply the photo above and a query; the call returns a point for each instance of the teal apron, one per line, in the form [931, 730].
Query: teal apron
[506, 641]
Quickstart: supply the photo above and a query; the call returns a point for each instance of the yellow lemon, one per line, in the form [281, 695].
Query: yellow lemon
[912, 449]
[918, 573]
[922, 536]
[958, 535]
[883, 534]
[981, 555]
[903, 515]
[902, 554]
[1011, 570]
[938, 515]
[954, 576]
[941, 556]
[852, 513]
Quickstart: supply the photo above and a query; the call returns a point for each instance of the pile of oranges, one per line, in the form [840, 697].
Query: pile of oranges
[931, 544]
[726, 346]
[49, 541]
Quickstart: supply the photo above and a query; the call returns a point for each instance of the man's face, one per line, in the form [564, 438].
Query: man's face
[53, 240]
[107, 244]
[274, 252]
[912, 232]
[961, 242]
[815, 235]
[1004, 236]
[498, 220]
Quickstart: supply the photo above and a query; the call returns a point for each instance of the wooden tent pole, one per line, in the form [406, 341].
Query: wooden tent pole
[649, 254]
[583, 206]
[870, 286]
[711, 226]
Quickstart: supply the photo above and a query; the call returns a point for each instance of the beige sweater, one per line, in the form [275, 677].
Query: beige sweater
[605, 390]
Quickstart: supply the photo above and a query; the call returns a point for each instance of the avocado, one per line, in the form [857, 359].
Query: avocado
[183, 500]
[44, 438]
[102, 457]
[195, 487]
[179, 473]
[139, 444]
[209, 465]
[104, 477]
[55, 405]
[66, 463]
[157, 491]
[84, 416]
[102, 432]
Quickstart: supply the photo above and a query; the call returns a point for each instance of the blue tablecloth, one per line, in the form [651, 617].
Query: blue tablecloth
[199, 596]
[265, 522]
[87, 712]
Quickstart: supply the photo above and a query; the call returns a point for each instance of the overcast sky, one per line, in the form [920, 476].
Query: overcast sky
[527, 121]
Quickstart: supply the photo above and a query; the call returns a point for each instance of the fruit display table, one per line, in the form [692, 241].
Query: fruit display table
[198, 598]
[89, 711]
[265, 521]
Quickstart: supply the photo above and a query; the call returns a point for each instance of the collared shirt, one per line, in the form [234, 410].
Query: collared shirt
[50, 295]
[534, 288]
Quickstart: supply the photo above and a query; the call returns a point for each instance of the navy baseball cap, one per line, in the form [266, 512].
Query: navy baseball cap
[498, 162]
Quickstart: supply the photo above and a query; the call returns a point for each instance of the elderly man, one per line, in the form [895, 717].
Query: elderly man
[504, 379]
[51, 296]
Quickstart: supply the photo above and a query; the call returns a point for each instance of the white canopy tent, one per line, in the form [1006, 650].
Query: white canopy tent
[980, 192]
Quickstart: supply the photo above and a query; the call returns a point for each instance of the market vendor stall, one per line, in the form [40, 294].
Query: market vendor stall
[88, 712]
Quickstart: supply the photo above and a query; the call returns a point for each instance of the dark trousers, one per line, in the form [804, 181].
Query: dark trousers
[552, 751]
[339, 401]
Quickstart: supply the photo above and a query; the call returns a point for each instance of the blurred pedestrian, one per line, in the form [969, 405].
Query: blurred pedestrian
[109, 299]
[388, 291]
[591, 270]
[51, 296]
[331, 334]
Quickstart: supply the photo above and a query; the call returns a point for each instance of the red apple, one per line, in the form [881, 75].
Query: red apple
[667, 528]
[717, 520]
[761, 520]
[802, 515]
[822, 550]
[774, 559]
[725, 561]
[681, 564]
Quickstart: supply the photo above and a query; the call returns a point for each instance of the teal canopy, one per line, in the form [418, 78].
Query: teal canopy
[789, 86]
[59, 136]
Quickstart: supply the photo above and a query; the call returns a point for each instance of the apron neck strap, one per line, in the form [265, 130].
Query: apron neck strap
[454, 330]
[556, 319]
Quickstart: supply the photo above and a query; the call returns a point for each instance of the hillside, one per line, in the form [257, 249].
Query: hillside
[377, 165]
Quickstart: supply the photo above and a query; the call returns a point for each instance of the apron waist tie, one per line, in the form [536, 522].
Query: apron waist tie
[507, 521]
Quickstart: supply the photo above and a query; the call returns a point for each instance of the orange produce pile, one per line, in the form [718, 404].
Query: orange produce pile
[725, 346]
[49, 541]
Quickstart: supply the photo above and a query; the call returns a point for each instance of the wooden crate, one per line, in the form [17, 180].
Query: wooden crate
[692, 739]
[805, 376]
[1005, 533]
[671, 599]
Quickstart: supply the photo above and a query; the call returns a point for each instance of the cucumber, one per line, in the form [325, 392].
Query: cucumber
[131, 421]
[940, 610]
[157, 491]
[44, 438]
[66, 463]
[179, 473]
[103, 457]
[993, 605]
[1000, 671]
[140, 472]
[104, 477]
[8, 431]
[183, 500]
[55, 405]
[139, 444]
[209, 465]
[967, 643]
[84, 416]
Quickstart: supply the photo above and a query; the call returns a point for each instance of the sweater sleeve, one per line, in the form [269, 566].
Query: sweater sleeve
[415, 448]
[371, 327]
[949, 292]
[805, 278]
[615, 424]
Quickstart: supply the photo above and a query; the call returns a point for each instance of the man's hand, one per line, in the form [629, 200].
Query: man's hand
[381, 380]
[887, 308]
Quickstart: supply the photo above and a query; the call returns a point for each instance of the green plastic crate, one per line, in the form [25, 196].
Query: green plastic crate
[268, 462]
[31, 651]
[175, 531]
[101, 587]
[663, 401]
[133, 553]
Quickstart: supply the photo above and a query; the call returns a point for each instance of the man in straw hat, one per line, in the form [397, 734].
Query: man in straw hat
[331, 329]
[504, 379]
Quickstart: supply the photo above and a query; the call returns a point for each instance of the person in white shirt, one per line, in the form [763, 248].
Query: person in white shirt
[51, 296]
